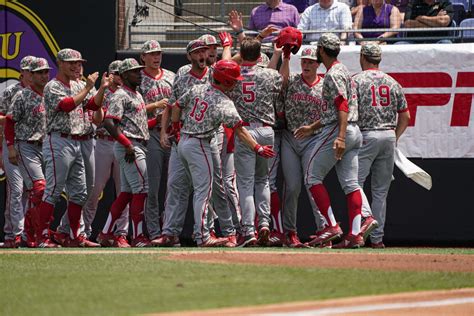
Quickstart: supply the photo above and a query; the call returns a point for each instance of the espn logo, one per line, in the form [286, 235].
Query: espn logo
[439, 80]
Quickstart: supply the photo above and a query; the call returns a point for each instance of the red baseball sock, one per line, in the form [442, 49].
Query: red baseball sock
[74, 215]
[45, 216]
[275, 208]
[136, 213]
[116, 210]
[354, 204]
[321, 198]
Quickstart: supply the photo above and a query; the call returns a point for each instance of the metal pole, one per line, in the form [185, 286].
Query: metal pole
[129, 36]
[223, 9]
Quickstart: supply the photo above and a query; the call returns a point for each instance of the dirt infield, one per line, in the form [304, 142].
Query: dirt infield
[433, 303]
[381, 261]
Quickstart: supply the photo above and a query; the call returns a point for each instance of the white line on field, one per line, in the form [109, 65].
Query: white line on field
[379, 307]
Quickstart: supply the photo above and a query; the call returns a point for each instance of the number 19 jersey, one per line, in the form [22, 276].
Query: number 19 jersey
[380, 98]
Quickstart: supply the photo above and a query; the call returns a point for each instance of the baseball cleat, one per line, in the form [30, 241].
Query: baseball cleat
[263, 236]
[214, 242]
[141, 241]
[45, 242]
[350, 242]
[326, 235]
[166, 241]
[231, 241]
[106, 240]
[368, 225]
[377, 245]
[247, 241]
[60, 238]
[121, 242]
[81, 242]
[276, 239]
[12, 243]
[292, 241]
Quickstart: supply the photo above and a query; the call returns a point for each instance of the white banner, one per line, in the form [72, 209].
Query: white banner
[438, 81]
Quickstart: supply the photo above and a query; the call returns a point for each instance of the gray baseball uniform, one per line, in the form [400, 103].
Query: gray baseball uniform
[337, 85]
[128, 107]
[380, 97]
[152, 90]
[204, 109]
[88, 156]
[301, 104]
[64, 163]
[178, 187]
[254, 98]
[15, 207]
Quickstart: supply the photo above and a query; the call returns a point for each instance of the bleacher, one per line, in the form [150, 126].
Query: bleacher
[174, 27]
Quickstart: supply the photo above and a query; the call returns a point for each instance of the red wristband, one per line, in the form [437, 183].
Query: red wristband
[122, 139]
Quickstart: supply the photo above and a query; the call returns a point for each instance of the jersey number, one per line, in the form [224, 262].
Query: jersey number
[384, 95]
[248, 93]
[199, 116]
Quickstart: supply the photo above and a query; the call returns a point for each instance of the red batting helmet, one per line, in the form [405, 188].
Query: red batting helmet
[289, 36]
[227, 72]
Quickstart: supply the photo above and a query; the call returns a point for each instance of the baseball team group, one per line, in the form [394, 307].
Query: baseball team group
[221, 129]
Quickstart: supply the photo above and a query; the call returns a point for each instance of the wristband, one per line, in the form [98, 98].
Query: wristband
[122, 139]
[239, 32]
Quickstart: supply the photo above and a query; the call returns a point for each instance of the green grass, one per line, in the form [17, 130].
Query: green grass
[130, 284]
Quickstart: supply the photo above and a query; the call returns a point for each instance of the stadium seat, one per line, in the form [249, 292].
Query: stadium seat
[470, 33]
[464, 3]
[459, 12]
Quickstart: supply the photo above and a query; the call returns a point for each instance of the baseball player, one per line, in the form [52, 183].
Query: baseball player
[24, 130]
[300, 105]
[204, 108]
[338, 144]
[254, 98]
[105, 166]
[155, 88]
[61, 236]
[64, 164]
[15, 203]
[380, 99]
[179, 187]
[127, 122]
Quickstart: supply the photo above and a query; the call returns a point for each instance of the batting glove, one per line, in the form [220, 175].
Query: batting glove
[264, 151]
[226, 39]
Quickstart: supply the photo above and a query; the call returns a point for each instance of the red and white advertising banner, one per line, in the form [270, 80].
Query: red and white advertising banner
[438, 81]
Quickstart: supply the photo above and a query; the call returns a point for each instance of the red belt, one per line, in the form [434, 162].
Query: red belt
[106, 137]
[76, 137]
[259, 124]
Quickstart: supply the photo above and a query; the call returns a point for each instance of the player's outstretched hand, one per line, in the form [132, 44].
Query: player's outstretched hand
[339, 147]
[12, 155]
[130, 154]
[106, 80]
[264, 151]
[226, 39]
[303, 132]
[91, 79]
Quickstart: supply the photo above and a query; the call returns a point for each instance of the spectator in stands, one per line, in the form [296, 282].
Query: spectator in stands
[300, 5]
[377, 15]
[273, 12]
[325, 16]
[429, 13]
